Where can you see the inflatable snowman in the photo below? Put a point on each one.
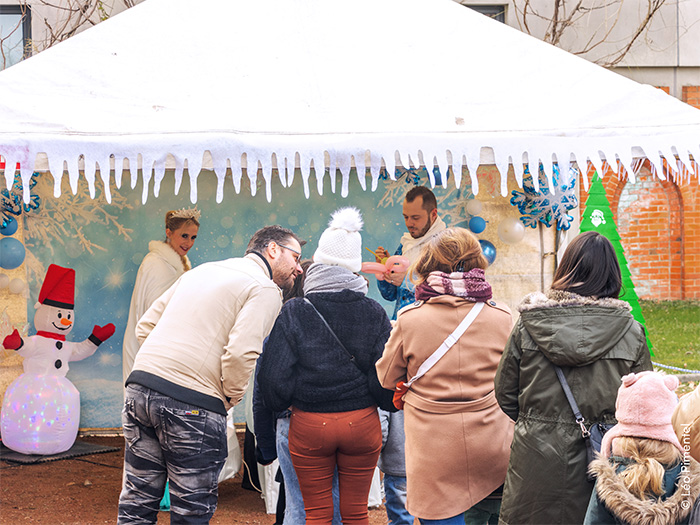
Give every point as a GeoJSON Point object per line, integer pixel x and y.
{"type": "Point", "coordinates": [41, 408]}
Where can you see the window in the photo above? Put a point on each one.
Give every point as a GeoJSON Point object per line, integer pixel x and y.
{"type": "Point", "coordinates": [15, 34]}
{"type": "Point", "coordinates": [495, 11]}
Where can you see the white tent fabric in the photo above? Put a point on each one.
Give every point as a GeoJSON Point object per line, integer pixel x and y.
{"type": "Point", "coordinates": [269, 83]}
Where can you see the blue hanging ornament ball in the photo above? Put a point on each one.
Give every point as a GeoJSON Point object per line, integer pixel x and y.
{"type": "Point", "coordinates": [12, 253]}
{"type": "Point", "coordinates": [10, 228]}
{"type": "Point", "coordinates": [489, 250]}
{"type": "Point", "coordinates": [477, 224]}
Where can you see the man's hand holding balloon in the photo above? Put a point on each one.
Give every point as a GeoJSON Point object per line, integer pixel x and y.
{"type": "Point", "coordinates": [391, 269]}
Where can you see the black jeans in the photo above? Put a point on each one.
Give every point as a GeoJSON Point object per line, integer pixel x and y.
{"type": "Point", "coordinates": [168, 439]}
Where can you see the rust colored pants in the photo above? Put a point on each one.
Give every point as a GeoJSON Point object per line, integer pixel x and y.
{"type": "Point", "coordinates": [320, 442]}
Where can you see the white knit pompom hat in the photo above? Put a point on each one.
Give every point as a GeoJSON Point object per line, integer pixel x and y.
{"type": "Point", "coordinates": [341, 243]}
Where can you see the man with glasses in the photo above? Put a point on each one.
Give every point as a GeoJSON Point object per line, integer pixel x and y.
{"type": "Point", "coordinates": [199, 344]}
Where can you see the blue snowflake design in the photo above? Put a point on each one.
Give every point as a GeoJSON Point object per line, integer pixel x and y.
{"type": "Point", "coordinates": [543, 206]}
{"type": "Point", "coordinates": [11, 201]}
{"type": "Point", "coordinates": [412, 175]}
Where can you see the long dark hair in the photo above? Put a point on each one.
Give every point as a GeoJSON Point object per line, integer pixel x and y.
{"type": "Point", "coordinates": [589, 267]}
{"type": "Point", "coordinates": [297, 289]}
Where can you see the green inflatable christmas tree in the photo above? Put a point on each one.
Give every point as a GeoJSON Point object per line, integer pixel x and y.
{"type": "Point", "coordinates": [598, 217]}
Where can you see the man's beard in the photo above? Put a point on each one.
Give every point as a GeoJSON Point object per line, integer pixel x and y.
{"type": "Point", "coordinates": [287, 285]}
{"type": "Point", "coordinates": [424, 230]}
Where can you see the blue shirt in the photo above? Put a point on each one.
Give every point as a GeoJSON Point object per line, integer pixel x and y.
{"type": "Point", "coordinates": [403, 294]}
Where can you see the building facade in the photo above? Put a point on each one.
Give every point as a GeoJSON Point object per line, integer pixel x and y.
{"type": "Point", "coordinates": [658, 220]}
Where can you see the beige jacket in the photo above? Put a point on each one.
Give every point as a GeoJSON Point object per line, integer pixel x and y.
{"type": "Point", "coordinates": [686, 423]}
{"type": "Point", "coordinates": [457, 437]}
{"type": "Point", "coordinates": [206, 331]}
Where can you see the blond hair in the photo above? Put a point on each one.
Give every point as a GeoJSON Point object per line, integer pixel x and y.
{"type": "Point", "coordinates": [645, 475]}
{"type": "Point", "coordinates": [451, 250]}
{"type": "Point", "coordinates": [175, 219]}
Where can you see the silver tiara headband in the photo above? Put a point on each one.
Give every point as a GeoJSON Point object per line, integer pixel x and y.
{"type": "Point", "coordinates": [187, 213]}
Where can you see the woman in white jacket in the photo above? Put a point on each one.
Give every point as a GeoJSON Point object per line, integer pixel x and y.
{"type": "Point", "coordinates": [165, 262]}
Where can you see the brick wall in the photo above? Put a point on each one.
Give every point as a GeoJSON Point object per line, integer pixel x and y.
{"type": "Point", "coordinates": [659, 226]}
{"type": "Point", "coordinates": [691, 95]}
{"type": "Point", "coordinates": [648, 217]}
{"type": "Point", "coordinates": [690, 195]}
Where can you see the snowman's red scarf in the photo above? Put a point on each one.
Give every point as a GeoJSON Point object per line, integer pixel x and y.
{"type": "Point", "coordinates": [51, 335]}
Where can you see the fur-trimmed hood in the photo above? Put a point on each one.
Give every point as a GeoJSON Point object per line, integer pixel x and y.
{"type": "Point", "coordinates": [630, 509]}
{"type": "Point", "coordinates": [559, 299]}
{"type": "Point", "coordinates": [572, 330]}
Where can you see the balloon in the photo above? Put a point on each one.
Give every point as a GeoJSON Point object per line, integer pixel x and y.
{"type": "Point", "coordinates": [511, 230]}
{"type": "Point", "coordinates": [489, 250]}
{"type": "Point", "coordinates": [10, 229]}
{"type": "Point", "coordinates": [474, 207]}
{"type": "Point", "coordinates": [11, 253]}
{"type": "Point", "coordinates": [395, 263]}
{"type": "Point", "coordinates": [4, 281]}
{"type": "Point", "coordinates": [477, 224]}
{"type": "Point", "coordinates": [17, 285]}
{"type": "Point", "coordinates": [376, 268]}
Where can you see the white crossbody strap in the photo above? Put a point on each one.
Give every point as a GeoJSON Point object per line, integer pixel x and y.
{"type": "Point", "coordinates": [447, 343]}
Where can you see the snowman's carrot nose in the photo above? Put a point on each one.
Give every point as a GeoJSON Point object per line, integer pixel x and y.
{"type": "Point", "coordinates": [66, 322]}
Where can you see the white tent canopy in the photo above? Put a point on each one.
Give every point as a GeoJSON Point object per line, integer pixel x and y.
{"type": "Point", "coordinates": [290, 82]}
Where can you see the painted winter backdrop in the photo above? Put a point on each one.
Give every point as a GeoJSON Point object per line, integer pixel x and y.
{"type": "Point", "coordinates": [106, 242]}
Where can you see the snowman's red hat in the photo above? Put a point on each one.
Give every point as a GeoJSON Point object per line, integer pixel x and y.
{"type": "Point", "coordinates": [59, 287]}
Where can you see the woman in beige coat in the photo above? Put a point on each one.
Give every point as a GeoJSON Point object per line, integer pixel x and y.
{"type": "Point", "coordinates": [686, 423]}
{"type": "Point", "coordinates": [457, 437]}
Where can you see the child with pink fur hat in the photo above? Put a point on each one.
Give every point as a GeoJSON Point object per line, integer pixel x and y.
{"type": "Point", "coordinates": [644, 476]}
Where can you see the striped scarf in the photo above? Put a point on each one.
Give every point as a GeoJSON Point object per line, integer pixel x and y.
{"type": "Point", "coordinates": [470, 285]}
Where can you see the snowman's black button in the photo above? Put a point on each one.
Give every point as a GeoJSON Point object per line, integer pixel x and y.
{"type": "Point", "coordinates": [58, 363]}
{"type": "Point", "coordinates": [59, 344]}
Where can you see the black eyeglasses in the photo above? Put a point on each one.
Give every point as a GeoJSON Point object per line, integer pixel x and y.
{"type": "Point", "coordinates": [297, 259]}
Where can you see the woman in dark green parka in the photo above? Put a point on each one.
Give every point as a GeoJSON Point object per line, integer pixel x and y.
{"type": "Point", "coordinates": [581, 326]}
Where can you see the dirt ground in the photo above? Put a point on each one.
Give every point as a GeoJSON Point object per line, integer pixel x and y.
{"type": "Point", "coordinates": [85, 491]}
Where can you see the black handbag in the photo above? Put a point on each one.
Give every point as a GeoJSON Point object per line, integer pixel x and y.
{"type": "Point", "coordinates": [592, 436]}
{"type": "Point", "coordinates": [597, 431]}
{"type": "Point", "coordinates": [383, 397]}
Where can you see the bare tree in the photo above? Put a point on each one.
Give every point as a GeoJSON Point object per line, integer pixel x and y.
{"type": "Point", "coordinates": [582, 26]}
{"type": "Point", "coordinates": [6, 36]}
{"type": "Point", "coordinates": [595, 23]}
{"type": "Point", "coordinates": [61, 19]}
